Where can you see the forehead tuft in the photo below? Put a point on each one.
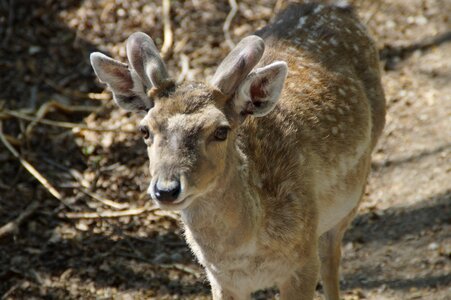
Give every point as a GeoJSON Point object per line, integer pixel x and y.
{"type": "Point", "coordinates": [188, 105]}
{"type": "Point", "coordinates": [188, 98]}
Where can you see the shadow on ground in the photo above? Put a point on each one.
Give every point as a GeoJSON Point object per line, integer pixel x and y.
{"type": "Point", "coordinates": [396, 239]}
{"type": "Point", "coordinates": [131, 263]}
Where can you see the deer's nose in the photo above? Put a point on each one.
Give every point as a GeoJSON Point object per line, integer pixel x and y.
{"type": "Point", "coordinates": [167, 191]}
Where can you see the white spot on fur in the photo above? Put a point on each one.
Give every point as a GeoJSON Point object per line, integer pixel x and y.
{"type": "Point", "coordinates": [334, 130]}
{"type": "Point", "coordinates": [342, 92]}
{"type": "Point", "coordinates": [333, 41]}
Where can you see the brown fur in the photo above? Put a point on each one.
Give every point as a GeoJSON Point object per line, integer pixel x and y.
{"type": "Point", "coordinates": [280, 186]}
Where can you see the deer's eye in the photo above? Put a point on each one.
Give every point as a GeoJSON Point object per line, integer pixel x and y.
{"type": "Point", "coordinates": [144, 131]}
{"type": "Point", "coordinates": [221, 133]}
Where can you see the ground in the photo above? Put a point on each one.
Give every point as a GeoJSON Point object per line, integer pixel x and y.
{"type": "Point", "coordinates": [398, 247]}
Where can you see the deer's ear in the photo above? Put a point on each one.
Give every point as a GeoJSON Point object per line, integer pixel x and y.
{"type": "Point", "coordinates": [259, 92]}
{"type": "Point", "coordinates": [237, 65]}
{"type": "Point", "coordinates": [146, 61]}
{"type": "Point", "coordinates": [127, 88]}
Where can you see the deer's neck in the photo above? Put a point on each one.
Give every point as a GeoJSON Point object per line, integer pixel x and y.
{"type": "Point", "coordinates": [228, 215]}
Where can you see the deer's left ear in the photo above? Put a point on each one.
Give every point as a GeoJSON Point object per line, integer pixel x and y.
{"type": "Point", "coordinates": [127, 88]}
{"type": "Point", "coordinates": [258, 94]}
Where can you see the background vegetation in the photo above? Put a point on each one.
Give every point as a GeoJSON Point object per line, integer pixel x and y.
{"type": "Point", "coordinates": [75, 221]}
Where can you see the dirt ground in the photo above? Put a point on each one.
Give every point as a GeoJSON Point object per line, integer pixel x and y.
{"type": "Point", "coordinates": [77, 247]}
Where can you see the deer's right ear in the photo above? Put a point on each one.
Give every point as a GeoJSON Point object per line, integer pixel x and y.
{"type": "Point", "coordinates": [259, 93]}
{"type": "Point", "coordinates": [127, 88]}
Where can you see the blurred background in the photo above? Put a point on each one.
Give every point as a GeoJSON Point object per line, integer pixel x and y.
{"type": "Point", "coordinates": [75, 221]}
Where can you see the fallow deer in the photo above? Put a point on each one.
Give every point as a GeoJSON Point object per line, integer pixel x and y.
{"type": "Point", "coordinates": [267, 161]}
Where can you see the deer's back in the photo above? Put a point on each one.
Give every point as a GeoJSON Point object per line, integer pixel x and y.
{"type": "Point", "coordinates": [334, 38]}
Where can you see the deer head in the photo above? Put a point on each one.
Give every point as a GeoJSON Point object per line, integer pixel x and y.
{"type": "Point", "coordinates": [190, 128]}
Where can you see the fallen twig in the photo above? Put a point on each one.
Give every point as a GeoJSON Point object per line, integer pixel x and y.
{"type": "Point", "coordinates": [42, 111]}
{"type": "Point", "coordinates": [81, 182]}
{"type": "Point", "coordinates": [103, 200]}
{"type": "Point", "coordinates": [13, 225]}
{"type": "Point", "coordinates": [11, 290]}
{"type": "Point", "coordinates": [389, 52]}
{"type": "Point", "coordinates": [68, 125]}
{"type": "Point", "coordinates": [168, 35]}
{"type": "Point", "coordinates": [31, 169]}
{"type": "Point", "coordinates": [77, 94]}
{"type": "Point", "coordinates": [228, 21]}
{"type": "Point", "coordinates": [376, 9]}
{"type": "Point", "coordinates": [177, 266]}
{"type": "Point", "coordinates": [185, 68]}
{"type": "Point", "coordinates": [107, 214]}
{"type": "Point", "coordinates": [167, 213]}
{"type": "Point", "coordinates": [70, 108]}
{"type": "Point", "coordinates": [180, 44]}
{"type": "Point", "coordinates": [84, 187]}
{"type": "Point", "coordinates": [183, 268]}
{"type": "Point", "coordinates": [13, 140]}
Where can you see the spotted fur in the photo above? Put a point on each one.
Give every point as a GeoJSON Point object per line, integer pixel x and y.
{"type": "Point", "coordinates": [270, 204]}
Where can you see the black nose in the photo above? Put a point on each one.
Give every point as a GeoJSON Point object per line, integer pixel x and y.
{"type": "Point", "coordinates": [168, 193]}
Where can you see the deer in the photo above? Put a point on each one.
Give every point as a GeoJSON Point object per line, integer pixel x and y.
{"type": "Point", "coordinates": [267, 161]}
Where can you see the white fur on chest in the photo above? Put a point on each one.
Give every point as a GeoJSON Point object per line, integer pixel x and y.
{"type": "Point", "coordinates": [245, 268]}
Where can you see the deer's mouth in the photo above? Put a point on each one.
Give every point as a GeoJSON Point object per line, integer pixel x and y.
{"type": "Point", "coordinates": [180, 204]}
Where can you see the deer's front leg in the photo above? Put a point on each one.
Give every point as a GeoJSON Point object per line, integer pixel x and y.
{"type": "Point", "coordinates": [301, 285]}
{"type": "Point", "coordinates": [220, 292]}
